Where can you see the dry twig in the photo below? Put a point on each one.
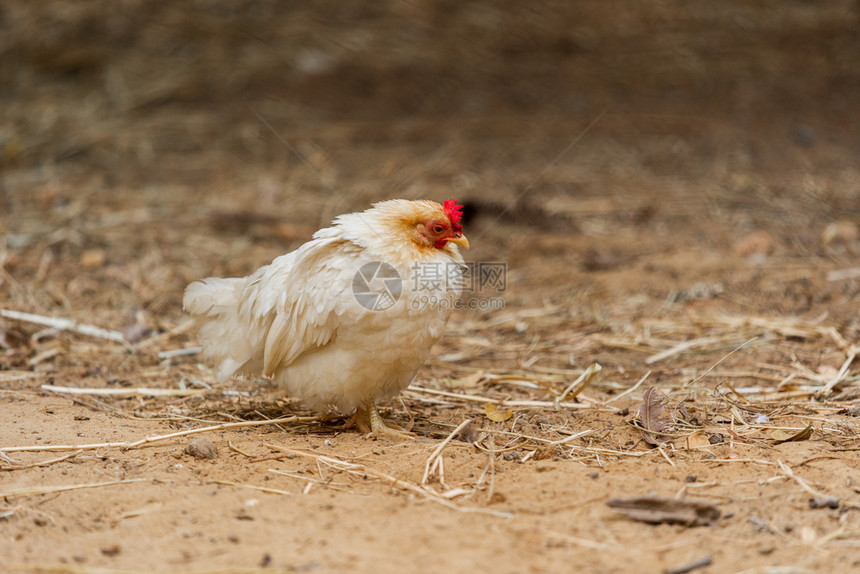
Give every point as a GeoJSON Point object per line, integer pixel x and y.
{"type": "Point", "coordinates": [42, 463]}
{"type": "Point", "coordinates": [438, 451]}
{"type": "Point", "coordinates": [33, 490]}
{"type": "Point", "coordinates": [631, 389]}
{"type": "Point", "coordinates": [396, 482]}
{"type": "Point", "coordinates": [64, 325]}
{"type": "Point", "coordinates": [579, 384]}
{"type": "Point", "coordinates": [129, 392]}
{"type": "Point", "coordinates": [150, 440]}
{"type": "Point", "coordinates": [251, 486]}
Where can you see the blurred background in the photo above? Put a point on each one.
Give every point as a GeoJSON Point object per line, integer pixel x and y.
{"type": "Point", "coordinates": [672, 184]}
{"type": "Point", "coordinates": [144, 144]}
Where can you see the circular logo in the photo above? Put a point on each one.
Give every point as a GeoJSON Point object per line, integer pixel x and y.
{"type": "Point", "coordinates": [377, 286]}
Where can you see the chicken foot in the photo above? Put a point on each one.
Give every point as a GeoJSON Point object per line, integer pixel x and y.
{"type": "Point", "coordinates": [369, 421]}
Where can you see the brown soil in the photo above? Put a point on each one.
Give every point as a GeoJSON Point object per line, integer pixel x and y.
{"type": "Point", "coordinates": [673, 187]}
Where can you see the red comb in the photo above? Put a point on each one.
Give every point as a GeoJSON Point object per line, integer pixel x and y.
{"type": "Point", "coordinates": [454, 213]}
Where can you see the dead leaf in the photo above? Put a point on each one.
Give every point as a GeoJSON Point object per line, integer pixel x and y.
{"type": "Point", "coordinates": [780, 436]}
{"type": "Point", "coordinates": [494, 414]}
{"type": "Point", "coordinates": [655, 510]}
{"type": "Point", "coordinates": [651, 416]}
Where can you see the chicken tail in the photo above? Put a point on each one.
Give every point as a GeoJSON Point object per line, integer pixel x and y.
{"type": "Point", "coordinates": [213, 297]}
{"type": "Point", "coordinates": [226, 338]}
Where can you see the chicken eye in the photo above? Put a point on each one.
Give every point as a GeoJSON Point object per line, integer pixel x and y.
{"type": "Point", "coordinates": [438, 228]}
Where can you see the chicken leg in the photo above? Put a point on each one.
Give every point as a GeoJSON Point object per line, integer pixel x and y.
{"type": "Point", "coordinates": [377, 427]}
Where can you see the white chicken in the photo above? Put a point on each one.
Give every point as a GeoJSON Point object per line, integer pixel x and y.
{"type": "Point", "coordinates": [349, 317]}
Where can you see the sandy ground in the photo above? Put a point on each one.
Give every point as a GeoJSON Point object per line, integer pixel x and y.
{"type": "Point", "coordinates": [673, 200]}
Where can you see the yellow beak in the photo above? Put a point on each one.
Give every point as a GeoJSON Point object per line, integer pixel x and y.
{"type": "Point", "coordinates": [461, 241]}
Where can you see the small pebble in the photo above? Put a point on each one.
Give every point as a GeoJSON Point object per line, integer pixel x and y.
{"type": "Point", "coordinates": [202, 448]}
{"type": "Point", "coordinates": [823, 503]}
